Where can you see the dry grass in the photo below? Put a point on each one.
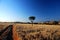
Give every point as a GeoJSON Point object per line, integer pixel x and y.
{"type": "Point", "coordinates": [37, 32]}
{"type": "Point", "coordinates": [2, 27]}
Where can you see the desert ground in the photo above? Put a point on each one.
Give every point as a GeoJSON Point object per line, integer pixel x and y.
{"type": "Point", "coordinates": [35, 32]}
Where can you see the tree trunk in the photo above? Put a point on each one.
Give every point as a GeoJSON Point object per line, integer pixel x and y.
{"type": "Point", "coordinates": [32, 23]}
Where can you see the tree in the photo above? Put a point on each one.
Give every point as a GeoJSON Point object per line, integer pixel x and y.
{"type": "Point", "coordinates": [32, 18]}
{"type": "Point", "coordinates": [55, 22]}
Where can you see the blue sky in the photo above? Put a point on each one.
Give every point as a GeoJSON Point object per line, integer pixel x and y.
{"type": "Point", "coordinates": [20, 10]}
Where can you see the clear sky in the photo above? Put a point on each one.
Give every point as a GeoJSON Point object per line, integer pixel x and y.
{"type": "Point", "coordinates": [20, 10]}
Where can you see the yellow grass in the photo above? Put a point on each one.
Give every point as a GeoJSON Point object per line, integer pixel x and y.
{"type": "Point", "coordinates": [36, 29]}
{"type": "Point", "coordinates": [27, 30]}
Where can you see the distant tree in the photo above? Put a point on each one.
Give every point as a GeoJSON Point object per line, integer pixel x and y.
{"type": "Point", "coordinates": [32, 18]}
{"type": "Point", "coordinates": [55, 22]}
